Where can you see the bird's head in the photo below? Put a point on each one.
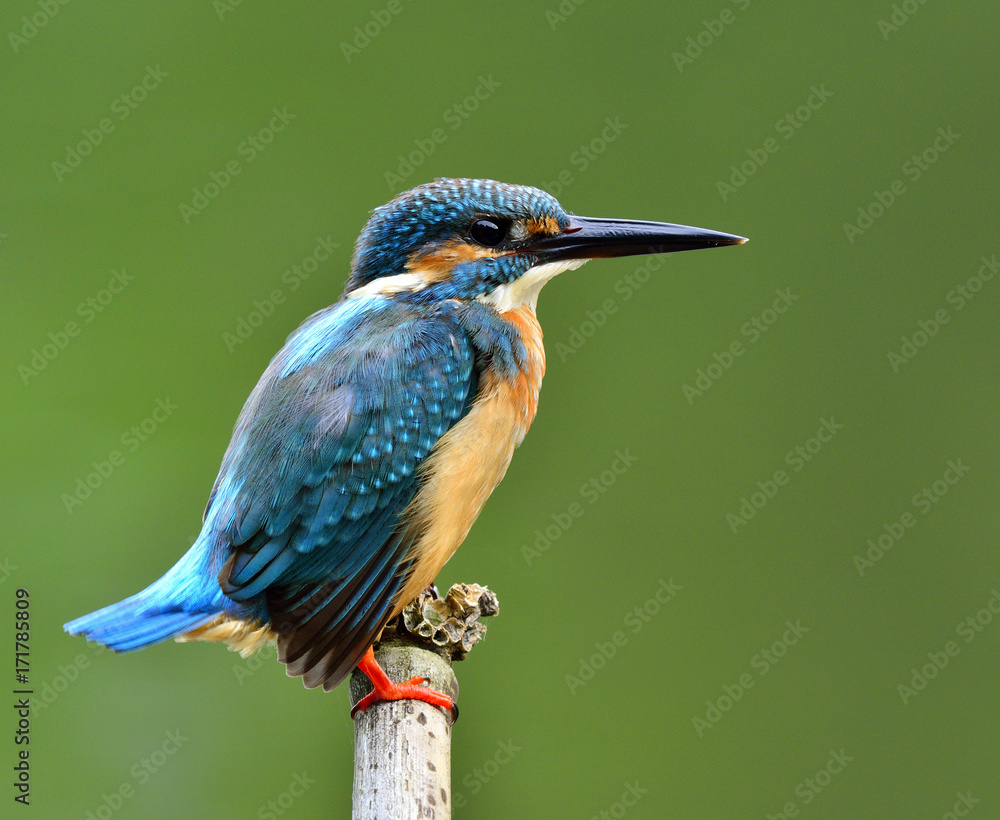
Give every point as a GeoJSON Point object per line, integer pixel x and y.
{"type": "Point", "coordinates": [479, 239]}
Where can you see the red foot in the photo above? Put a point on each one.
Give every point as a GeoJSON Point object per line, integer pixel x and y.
{"type": "Point", "coordinates": [385, 689]}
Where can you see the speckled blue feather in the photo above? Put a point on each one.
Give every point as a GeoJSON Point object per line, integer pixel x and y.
{"type": "Point", "coordinates": [304, 529]}
{"type": "Point", "coordinates": [435, 212]}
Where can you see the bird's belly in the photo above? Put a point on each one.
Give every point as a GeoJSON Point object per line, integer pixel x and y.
{"type": "Point", "coordinates": [469, 461]}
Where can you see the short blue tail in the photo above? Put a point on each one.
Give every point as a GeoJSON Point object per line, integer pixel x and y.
{"type": "Point", "coordinates": [126, 625]}
{"type": "Point", "coordinates": [184, 599]}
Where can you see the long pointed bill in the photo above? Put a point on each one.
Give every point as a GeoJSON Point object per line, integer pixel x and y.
{"type": "Point", "coordinates": [588, 238]}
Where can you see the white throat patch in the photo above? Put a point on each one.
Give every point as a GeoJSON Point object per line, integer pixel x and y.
{"type": "Point", "coordinates": [390, 285]}
{"type": "Point", "coordinates": [525, 289]}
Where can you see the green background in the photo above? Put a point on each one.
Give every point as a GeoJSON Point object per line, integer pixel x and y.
{"type": "Point", "coordinates": [553, 82]}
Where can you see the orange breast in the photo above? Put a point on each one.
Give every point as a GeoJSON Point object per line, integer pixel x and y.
{"type": "Point", "coordinates": [529, 381]}
{"type": "Point", "coordinates": [471, 459]}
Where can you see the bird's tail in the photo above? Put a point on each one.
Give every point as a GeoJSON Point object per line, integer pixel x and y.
{"type": "Point", "coordinates": [131, 624]}
{"type": "Point", "coordinates": [180, 601]}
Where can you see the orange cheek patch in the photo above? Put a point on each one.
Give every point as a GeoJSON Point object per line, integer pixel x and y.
{"type": "Point", "coordinates": [544, 226]}
{"type": "Point", "coordinates": [436, 265]}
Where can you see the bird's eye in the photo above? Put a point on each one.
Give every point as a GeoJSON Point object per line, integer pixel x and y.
{"type": "Point", "coordinates": [488, 232]}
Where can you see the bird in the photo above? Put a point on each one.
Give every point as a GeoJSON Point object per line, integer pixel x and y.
{"type": "Point", "coordinates": [371, 442]}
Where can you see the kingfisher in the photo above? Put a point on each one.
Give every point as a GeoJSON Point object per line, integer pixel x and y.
{"type": "Point", "coordinates": [374, 437]}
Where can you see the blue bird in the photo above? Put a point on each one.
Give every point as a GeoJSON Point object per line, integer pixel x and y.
{"type": "Point", "coordinates": [369, 446]}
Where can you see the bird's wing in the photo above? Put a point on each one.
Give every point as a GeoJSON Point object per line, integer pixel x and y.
{"type": "Point", "coordinates": [324, 460]}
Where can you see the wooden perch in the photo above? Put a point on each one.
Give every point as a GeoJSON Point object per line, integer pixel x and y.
{"type": "Point", "coordinates": [402, 748]}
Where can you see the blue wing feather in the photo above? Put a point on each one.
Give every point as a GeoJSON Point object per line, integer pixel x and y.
{"type": "Point", "coordinates": [327, 452]}
{"type": "Point", "coordinates": [304, 527]}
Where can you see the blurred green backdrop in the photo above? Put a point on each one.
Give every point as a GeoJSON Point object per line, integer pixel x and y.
{"type": "Point", "coordinates": [169, 171]}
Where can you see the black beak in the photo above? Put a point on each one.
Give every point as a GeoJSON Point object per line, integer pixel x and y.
{"type": "Point", "coordinates": [587, 238]}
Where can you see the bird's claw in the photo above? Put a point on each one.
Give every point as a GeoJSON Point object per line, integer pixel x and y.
{"type": "Point", "coordinates": [415, 688]}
